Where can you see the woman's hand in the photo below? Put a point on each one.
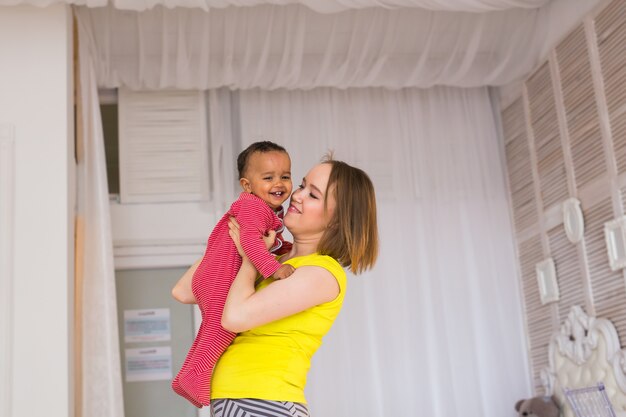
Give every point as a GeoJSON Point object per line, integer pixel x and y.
{"type": "Point", "coordinates": [235, 233]}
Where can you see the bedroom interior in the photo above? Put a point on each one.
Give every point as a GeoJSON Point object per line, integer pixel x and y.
{"type": "Point", "coordinates": [494, 131]}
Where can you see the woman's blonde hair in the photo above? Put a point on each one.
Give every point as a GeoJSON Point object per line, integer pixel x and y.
{"type": "Point", "coordinates": [352, 234]}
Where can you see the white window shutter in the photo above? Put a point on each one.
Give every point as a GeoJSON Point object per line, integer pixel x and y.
{"type": "Point", "coordinates": [545, 129]}
{"type": "Point", "coordinates": [163, 146]}
{"type": "Point", "coordinates": [610, 27]}
{"type": "Point", "coordinates": [581, 113]}
{"type": "Point", "coordinates": [519, 166]}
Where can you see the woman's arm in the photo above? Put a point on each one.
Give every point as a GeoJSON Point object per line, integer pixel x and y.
{"type": "Point", "coordinates": [246, 308]}
{"type": "Point", "coordinates": [182, 290]}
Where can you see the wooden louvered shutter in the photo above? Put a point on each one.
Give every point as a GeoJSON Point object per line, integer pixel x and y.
{"type": "Point", "coordinates": [163, 146]}
{"type": "Point", "coordinates": [569, 277]}
{"type": "Point", "coordinates": [538, 316]}
{"type": "Point", "coordinates": [519, 166]}
{"type": "Point", "coordinates": [607, 286]}
{"type": "Point", "coordinates": [581, 111]}
{"type": "Point", "coordinates": [610, 28]}
{"type": "Point", "coordinates": [544, 124]}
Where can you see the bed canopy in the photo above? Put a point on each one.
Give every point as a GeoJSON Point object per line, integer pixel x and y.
{"type": "Point", "coordinates": [303, 44]}
{"type": "Point", "coordinates": [321, 6]}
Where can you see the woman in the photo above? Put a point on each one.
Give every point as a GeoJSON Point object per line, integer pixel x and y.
{"type": "Point", "coordinates": [332, 217]}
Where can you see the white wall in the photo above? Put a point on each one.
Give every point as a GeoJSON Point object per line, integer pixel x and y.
{"type": "Point", "coordinates": [35, 99]}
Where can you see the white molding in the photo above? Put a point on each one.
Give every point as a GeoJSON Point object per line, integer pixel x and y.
{"type": "Point", "coordinates": [615, 238]}
{"type": "Point", "coordinates": [7, 195]}
{"type": "Point", "coordinates": [559, 107]}
{"type": "Point", "coordinates": [553, 216]}
{"type": "Point", "coordinates": [573, 220]}
{"type": "Point", "coordinates": [546, 280]}
{"type": "Point", "coordinates": [542, 219]}
{"type": "Point", "coordinates": [530, 135]}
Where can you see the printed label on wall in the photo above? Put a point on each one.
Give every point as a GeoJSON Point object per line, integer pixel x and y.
{"type": "Point", "coordinates": [149, 364]}
{"type": "Point", "coordinates": [150, 325]}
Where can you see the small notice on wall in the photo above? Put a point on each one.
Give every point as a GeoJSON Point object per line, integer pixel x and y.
{"type": "Point", "coordinates": [149, 364]}
{"type": "Point", "coordinates": [150, 325]}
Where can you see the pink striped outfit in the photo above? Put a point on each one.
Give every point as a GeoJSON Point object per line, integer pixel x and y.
{"type": "Point", "coordinates": [211, 282]}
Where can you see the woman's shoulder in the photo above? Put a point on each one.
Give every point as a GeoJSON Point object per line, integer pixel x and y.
{"type": "Point", "coordinates": [319, 260]}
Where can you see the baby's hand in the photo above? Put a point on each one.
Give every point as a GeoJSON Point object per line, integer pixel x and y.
{"type": "Point", "coordinates": [284, 271]}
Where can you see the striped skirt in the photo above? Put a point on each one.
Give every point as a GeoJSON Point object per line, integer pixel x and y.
{"type": "Point", "coordinates": [257, 408]}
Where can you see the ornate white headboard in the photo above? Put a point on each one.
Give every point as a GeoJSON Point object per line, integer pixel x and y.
{"type": "Point", "coordinates": [582, 353]}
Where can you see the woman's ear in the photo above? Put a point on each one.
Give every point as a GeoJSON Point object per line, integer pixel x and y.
{"type": "Point", "coordinates": [245, 185]}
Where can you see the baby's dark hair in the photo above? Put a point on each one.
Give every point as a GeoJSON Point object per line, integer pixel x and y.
{"type": "Point", "coordinates": [262, 146]}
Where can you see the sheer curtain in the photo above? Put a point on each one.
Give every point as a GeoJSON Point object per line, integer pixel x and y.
{"type": "Point", "coordinates": [293, 47]}
{"type": "Point", "coordinates": [436, 328]}
{"type": "Point", "coordinates": [322, 6]}
{"type": "Point", "coordinates": [100, 389]}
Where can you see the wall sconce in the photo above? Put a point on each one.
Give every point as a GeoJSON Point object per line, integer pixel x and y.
{"type": "Point", "coordinates": [546, 279]}
{"type": "Point", "coordinates": [615, 236]}
{"type": "Point", "coordinates": [573, 220]}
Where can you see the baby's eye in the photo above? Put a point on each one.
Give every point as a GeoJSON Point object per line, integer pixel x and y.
{"type": "Point", "coordinates": [312, 196]}
{"type": "Point", "coordinates": [286, 177]}
{"type": "Point", "coordinates": [267, 178]}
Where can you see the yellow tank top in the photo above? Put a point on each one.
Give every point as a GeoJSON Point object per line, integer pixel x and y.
{"type": "Point", "coordinates": [271, 362]}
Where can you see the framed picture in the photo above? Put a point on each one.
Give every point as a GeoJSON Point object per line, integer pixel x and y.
{"type": "Point", "coordinates": [615, 236]}
{"type": "Point", "coordinates": [546, 279]}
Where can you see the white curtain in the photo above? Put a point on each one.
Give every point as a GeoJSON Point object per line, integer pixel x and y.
{"type": "Point", "coordinates": [101, 390]}
{"type": "Point", "coordinates": [224, 144]}
{"type": "Point", "coordinates": [436, 328]}
{"type": "Point", "coordinates": [293, 47]}
{"type": "Point", "coordinates": [321, 6]}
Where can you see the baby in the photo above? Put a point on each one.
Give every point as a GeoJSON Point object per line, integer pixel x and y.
{"type": "Point", "coordinates": [265, 177]}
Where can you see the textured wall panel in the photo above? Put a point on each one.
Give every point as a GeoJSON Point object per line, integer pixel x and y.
{"type": "Point", "coordinates": [581, 111]}
{"type": "Point", "coordinates": [519, 168]}
{"type": "Point", "coordinates": [610, 27]}
{"type": "Point", "coordinates": [538, 316]}
{"type": "Point", "coordinates": [545, 127]}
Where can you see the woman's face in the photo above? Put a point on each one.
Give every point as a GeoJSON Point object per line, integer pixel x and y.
{"type": "Point", "coordinates": [305, 215]}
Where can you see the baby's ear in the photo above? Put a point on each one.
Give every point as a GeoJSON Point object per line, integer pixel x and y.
{"type": "Point", "coordinates": [245, 185]}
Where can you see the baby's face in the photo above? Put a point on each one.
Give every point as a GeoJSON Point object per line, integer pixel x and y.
{"type": "Point", "coordinates": [268, 176]}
